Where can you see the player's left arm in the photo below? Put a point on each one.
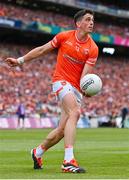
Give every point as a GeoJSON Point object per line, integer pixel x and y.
{"type": "Point", "coordinates": [91, 61]}
{"type": "Point", "coordinates": [87, 70]}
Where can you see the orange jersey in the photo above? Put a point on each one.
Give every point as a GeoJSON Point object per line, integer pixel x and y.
{"type": "Point", "coordinates": [72, 56]}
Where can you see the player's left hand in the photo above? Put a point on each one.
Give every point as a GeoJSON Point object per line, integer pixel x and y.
{"type": "Point", "coordinates": [84, 94]}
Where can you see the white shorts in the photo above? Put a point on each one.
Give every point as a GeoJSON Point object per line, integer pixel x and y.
{"type": "Point", "coordinates": [61, 88]}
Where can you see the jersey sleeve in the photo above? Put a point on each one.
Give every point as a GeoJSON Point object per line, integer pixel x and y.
{"type": "Point", "coordinates": [93, 55]}
{"type": "Point", "coordinates": [58, 39]}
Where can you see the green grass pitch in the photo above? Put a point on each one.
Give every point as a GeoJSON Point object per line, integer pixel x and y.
{"type": "Point", "coordinates": [104, 152]}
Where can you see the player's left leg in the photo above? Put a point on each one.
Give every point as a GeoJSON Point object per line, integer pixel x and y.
{"type": "Point", "coordinates": [72, 107]}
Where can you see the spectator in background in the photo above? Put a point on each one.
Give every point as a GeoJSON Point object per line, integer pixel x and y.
{"type": "Point", "coordinates": [21, 115]}
{"type": "Point", "coordinates": [124, 113]}
{"type": "Point", "coordinates": [39, 111]}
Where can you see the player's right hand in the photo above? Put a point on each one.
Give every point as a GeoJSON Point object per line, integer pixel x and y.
{"type": "Point", "coordinates": [12, 62]}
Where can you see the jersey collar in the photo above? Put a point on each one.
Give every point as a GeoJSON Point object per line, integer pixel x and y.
{"type": "Point", "coordinates": [81, 42]}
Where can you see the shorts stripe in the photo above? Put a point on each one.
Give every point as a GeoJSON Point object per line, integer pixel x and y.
{"type": "Point", "coordinates": [57, 92]}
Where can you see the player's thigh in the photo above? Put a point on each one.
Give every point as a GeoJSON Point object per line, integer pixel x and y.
{"type": "Point", "coordinates": [70, 104]}
{"type": "Point", "coordinates": [69, 97]}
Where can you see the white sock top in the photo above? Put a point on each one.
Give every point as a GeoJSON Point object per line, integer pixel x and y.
{"type": "Point", "coordinates": [69, 154]}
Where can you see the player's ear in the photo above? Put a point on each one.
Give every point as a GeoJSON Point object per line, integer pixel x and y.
{"type": "Point", "coordinates": [78, 24]}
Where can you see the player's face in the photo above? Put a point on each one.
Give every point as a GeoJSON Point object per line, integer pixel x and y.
{"type": "Point", "coordinates": [86, 23]}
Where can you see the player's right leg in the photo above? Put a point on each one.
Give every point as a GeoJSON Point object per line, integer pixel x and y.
{"type": "Point", "coordinates": [57, 134]}
{"type": "Point", "coordinates": [37, 160]}
{"type": "Point", "coordinates": [53, 138]}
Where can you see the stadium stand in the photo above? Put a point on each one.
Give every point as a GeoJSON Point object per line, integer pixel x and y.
{"type": "Point", "coordinates": [34, 82]}
{"type": "Point", "coordinates": [112, 4]}
{"type": "Point", "coordinates": [52, 18]}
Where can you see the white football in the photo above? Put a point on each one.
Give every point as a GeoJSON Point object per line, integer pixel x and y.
{"type": "Point", "coordinates": [91, 84]}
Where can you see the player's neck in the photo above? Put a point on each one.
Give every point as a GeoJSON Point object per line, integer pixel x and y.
{"type": "Point", "coordinates": [81, 36]}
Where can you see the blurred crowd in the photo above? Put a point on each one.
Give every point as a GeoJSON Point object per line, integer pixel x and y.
{"type": "Point", "coordinates": [47, 17]}
{"type": "Point", "coordinates": [33, 85]}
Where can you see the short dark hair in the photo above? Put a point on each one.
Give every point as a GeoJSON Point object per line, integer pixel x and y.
{"type": "Point", "coordinates": [81, 13]}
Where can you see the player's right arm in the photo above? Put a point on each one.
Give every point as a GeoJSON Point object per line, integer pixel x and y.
{"type": "Point", "coordinates": [33, 54]}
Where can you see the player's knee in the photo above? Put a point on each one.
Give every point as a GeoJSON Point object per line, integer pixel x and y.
{"type": "Point", "coordinates": [75, 113]}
